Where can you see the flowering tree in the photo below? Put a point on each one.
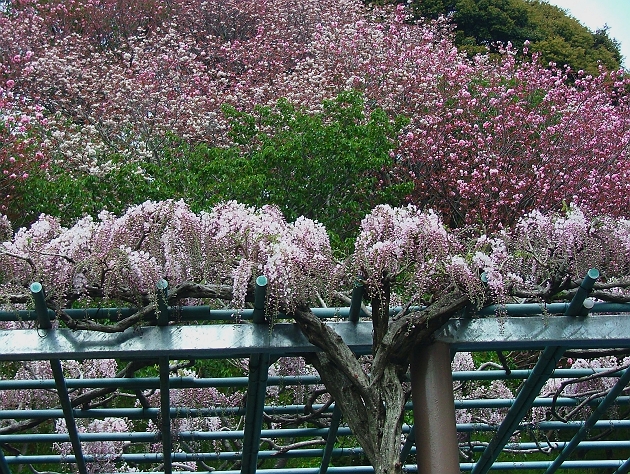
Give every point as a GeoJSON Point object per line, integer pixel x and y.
{"type": "Point", "coordinates": [22, 143]}
{"type": "Point", "coordinates": [521, 138]}
{"type": "Point", "coordinates": [401, 254]}
{"type": "Point", "coordinates": [116, 96]}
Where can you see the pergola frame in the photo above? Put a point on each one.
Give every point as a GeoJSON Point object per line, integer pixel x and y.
{"type": "Point", "coordinates": [553, 329]}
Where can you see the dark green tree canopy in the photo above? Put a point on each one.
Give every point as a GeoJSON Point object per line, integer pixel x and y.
{"type": "Point", "coordinates": [558, 37]}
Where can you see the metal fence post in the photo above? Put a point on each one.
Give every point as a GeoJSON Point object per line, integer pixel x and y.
{"type": "Point", "coordinates": [437, 451]}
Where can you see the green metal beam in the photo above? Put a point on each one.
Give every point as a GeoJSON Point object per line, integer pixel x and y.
{"type": "Point", "coordinates": [4, 467]}
{"type": "Point", "coordinates": [535, 332]}
{"type": "Point", "coordinates": [624, 468]}
{"type": "Point", "coordinates": [206, 313]}
{"type": "Point", "coordinates": [41, 310]}
{"type": "Point", "coordinates": [260, 294]}
{"type": "Point", "coordinates": [165, 415]}
{"type": "Point", "coordinates": [408, 446]}
{"type": "Point", "coordinates": [162, 303]}
{"type": "Point", "coordinates": [154, 382]}
{"type": "Point", "coordinates": [576, 306]}
{"type": "Point", "coordinates": [66, 405]}
{"type": "Point", "coordinates": [286, 339]}
{"type": "Point", "coordinates": [293, 454]}
{"type": "Point", "coordinates": [330, 439]}
{"type": "Point", "coordinates": [356, 301]}
{"type": "Point", "coordinates": [185, 412]}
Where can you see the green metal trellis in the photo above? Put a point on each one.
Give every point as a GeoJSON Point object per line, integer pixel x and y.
{"type": "Point", "coordinates": [552, 329]}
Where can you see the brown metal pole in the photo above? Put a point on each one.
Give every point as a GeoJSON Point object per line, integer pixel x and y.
{"type": "Point", "coordinates": [434, 410]}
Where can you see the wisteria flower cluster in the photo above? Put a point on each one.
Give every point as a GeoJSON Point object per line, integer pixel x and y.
{"type": "Point", "coordinates": [409, 247]}
{"type": "Point", "coordinates": [125, 257]}
{"type": "Point", "coordinates": [603, 373]}
{"type": "Point", "coordinates": [546, 253]}
{"type": "Point", "coordinates": [105, 453]}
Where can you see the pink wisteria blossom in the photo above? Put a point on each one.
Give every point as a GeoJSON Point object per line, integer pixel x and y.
{"type": "Point", "coordinates": [233, 244]}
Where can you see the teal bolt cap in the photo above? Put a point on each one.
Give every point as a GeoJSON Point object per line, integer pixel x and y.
{"type": "Point", "coordinates": [593, 273]}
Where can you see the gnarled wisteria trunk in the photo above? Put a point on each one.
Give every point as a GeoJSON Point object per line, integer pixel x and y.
{"type": "Point", "coordinates": [372, 397]}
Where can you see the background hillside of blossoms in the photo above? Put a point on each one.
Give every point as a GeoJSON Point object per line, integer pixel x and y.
{"type": "Point", "coordinates": [105, 104]}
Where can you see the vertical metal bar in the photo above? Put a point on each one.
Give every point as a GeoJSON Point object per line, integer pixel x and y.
{"type": "Point", "coordinates": [523, 402]}
{"type": "Point", "coordinates": [256, 388]}
{"type": "Point", "coordinates": [4, 467]}
{"type": "Point", "coordinates": [41, 310]}
{"type": "Point", "coordinates": [434, 410]}
{"type": "Point", "coordinates": [165, 415]}
{"type": "Point", "coordinates": [409, 442]}
{"type": "Point", "coordinates": [330, 440]}
{"type": "Point", "coordinates": [260, 294]}
{"type": "Point", "coordinates": [66, 405]}
{"type": "Point", "coordinates": [254, 405]}
{"type": "Point", "coordinates": [590, 422]}
{"type": "Point", "coordinates": [162, 303]}
{"type": "Point", "coordinates": [355, 302]}
{"type": "Point", "coordinates": [576, 306]}
{"type": "Point", "coordinates": [43, 319]}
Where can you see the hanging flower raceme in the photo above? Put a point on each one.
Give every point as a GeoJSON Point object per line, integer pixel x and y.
{"type": "Point", "coordinates": [414, 249]}
{"type": "Point", "coordinates": [126, 256]}
{"type": "Point", "coordinates": [242, 243]}
{"type": "Point", "coordinates": [546, 253]}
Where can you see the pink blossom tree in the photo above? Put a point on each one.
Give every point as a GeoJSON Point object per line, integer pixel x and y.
{"type": "Point", "coordinates": [22, 143]}
{"type": "Point", "coordinates": [113, 87]}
